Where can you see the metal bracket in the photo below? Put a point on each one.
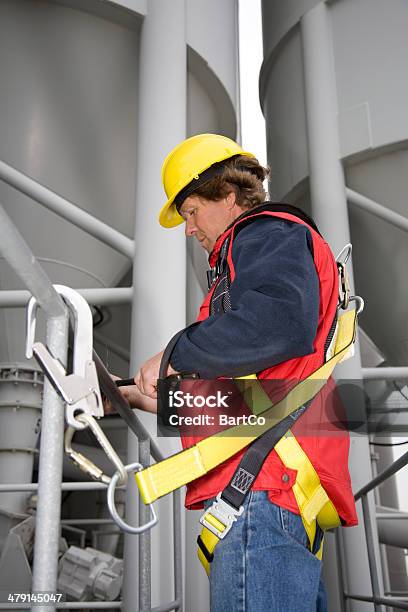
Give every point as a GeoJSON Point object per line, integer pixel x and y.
{"type": "Point", "coordinates": [80, 390]}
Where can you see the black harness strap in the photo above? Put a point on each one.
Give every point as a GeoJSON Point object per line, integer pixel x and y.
{"type": "Point", "coordinates": [252, 461]}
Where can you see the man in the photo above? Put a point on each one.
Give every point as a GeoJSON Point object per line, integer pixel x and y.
{"type": "Point", "coordinates": [271, 310]}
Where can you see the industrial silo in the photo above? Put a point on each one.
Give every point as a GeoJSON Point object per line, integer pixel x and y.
{"type": "Point", "coordinates": [333, 96]}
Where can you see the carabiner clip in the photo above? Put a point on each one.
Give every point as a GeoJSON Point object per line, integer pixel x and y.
{"type": "Point", "coordinates": [359, 301]}
{"type": "Point", "coordinates": [112, 508]}
{"type": "Point", "coordinates": [344, 288]}
{"type": "Point", "coordinates": [345, 254]}
{"type": "Point", "coordinates": [85, 464]}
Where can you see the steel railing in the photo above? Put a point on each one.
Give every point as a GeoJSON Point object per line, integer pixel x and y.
{"type": "Point", "coordinates": [378, 598]}
{"type": "Point", "coordinates": [176, 604]}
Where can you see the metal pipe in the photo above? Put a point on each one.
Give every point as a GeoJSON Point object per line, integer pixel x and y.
{"type": "Point", "coordinates": [101, 297]}
{"type": "Point", "coordinates": [379, 210]}
{"type": "Point", "coordinates": [144, 539]}
{"type": "Point", "coordinates": [47, 529]}
{"type": "Point", "coordinates": [375, 457]}
{"type": "Point", "coordinates": [342, 578]}
{"type": "Point", "coordinates": [177, 548]}
{"type": "Point", "coordinates": [385, 373]}
{"type": "Point", "coordinates": [174, 605]}
{"type": "Point", "coordinates": [326, 174]}
{"type": "Point", "coordinates": [375, 584]}
{"type": "Point", "coordinates": [20, 257]}
{"type": "Point", "coordinates": [394, 467]}
{"type": "Point", "coordinates": [162, 67]}
{"type": "Point", "coordinates": [396, 603]}
{"type": "Point", "coordinates": [67, 210]}
{"type": "Point", "coordinates": [88, 521]}
{"type": "Point", "coordinates": [389, 515]}
{"type": "Point", "coordinates": [65, 486]}
{"type": "Point", "coordinates": [393, 533]}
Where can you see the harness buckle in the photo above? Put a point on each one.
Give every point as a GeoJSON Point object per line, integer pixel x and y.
{"type": "Point", "coordinates": [222, 513]}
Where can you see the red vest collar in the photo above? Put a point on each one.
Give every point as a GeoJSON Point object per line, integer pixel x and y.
{"type": "Point", "coordinates": [264, 209]}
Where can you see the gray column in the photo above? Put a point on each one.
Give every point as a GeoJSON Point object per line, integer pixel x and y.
{"type": "Point", "coordinates": [159, 264]}
{"type": "Point", "coordinates": [329, 208]}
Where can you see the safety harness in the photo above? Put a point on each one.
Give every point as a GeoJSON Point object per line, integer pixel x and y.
{"type": "Point", "coordinates": [80, 390]}
{"type": "Point", "coordinates": [315, 507]}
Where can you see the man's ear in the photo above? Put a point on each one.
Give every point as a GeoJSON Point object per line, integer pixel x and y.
{"type": "Point", "coordinates": [231, 200]}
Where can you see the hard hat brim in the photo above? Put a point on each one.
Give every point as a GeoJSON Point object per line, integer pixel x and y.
{"type": "Point", "coordinates": [168, 215]}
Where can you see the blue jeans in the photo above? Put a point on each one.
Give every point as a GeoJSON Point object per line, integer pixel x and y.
{"type": "Point", "coordinates": [264, 565]}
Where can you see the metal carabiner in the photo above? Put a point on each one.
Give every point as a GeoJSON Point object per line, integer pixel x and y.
{"type": "Point", "coordinates": [86, 465]}
{"type": "Point", "coordinates": [359, 300]}
{"type": "Point", "coordinates": [346, 252]}
{"type": "Point", "coordinates": [112, 508]}
{"type": "Point", "coordinates": [80, 390]}
{"type": "Point", "coordinates": [344, 288]}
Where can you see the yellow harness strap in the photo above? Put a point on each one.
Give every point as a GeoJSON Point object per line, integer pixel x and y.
{"type": "Point", "coordinates": [313, 502]}
{"type": "Point", "coordinates": [175, 471]}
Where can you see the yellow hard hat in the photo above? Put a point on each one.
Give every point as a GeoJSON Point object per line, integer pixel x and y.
{"type": "Point", "coordinates": [186, 162]}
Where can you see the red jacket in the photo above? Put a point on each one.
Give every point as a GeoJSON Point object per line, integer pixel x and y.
{"type": "Point", "coordinates": [328, 451]}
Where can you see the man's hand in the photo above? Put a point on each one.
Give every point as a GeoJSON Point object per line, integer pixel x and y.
{"type": "Point", "coordinates": [146, 378]}
{"type": "Point", "coordinates": [135, 398]}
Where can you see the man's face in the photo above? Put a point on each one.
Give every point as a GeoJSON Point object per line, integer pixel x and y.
{"type": "Point", "coordinates": [207, 219]}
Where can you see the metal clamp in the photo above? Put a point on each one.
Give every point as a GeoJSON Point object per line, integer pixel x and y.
{"type": "Point", "coordinates": [86, 465]}
{"type": "Point", "coordinates": [223, 513]}
{"type": "Point", "coordinates": [80, 390]}
{"type": "Point", "coordinates": [112, 508]}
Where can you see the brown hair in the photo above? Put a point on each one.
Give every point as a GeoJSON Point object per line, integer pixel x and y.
{"type": "Point", "coordinates": [242, 175]}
